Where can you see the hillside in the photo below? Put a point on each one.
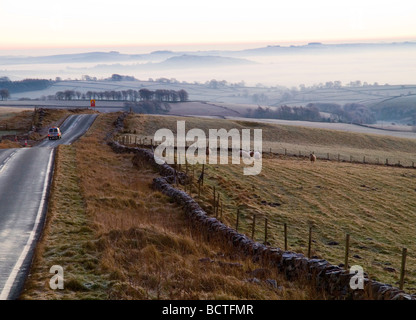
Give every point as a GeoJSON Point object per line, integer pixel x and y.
{"type": "Point", "coordinates": [297, 139]}
{"type": "Point", "coordinates": [118, 238]}
{"type": "Point", "coordinates": [374, 204]}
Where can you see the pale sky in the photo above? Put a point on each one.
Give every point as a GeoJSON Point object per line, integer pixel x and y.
{"type": "Point", "coordinates": [27, 24]}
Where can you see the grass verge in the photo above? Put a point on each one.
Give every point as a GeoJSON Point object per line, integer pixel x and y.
{"type": "Point", "coordinates": [117, 238]}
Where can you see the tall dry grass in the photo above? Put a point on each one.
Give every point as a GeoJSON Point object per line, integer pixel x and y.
{"type": "Point", "coordinates": [140, 241]}
{"type": "Point", "coordinates": [375, 204]}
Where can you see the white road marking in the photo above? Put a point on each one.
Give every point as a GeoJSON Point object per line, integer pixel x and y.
{"type": "Point", "coordinates": [12, 277]}
{"type": "Point", "coordinates": [3, 165]}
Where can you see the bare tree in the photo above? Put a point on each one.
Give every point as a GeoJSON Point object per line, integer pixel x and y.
{"type": "Point", "coordinates": [183, 95]}
{"type": "Point", "coordinates": [4, 93]}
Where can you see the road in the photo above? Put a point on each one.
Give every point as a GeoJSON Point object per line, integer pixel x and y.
{"type": "Point", "coordinates": [25, 177]}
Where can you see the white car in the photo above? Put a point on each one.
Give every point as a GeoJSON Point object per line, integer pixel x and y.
{"type": "Point", "coordinates": [54, 133]}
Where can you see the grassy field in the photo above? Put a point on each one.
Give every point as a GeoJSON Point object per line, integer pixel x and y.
{"type": "Point", "coordinates": [374, 204]}
{"type": "Point", "coordinates": [295, 140]}
{"type": "Point", "coordinates": [117, 238]}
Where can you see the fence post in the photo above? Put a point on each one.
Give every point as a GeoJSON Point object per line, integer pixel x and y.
{"type": "Point", "coordinates": [387, 161]}
{"type": "Point", "coordinates": [364, 159]}
{"type": "Point", "coordinates": [238, 219]}
{"type": "Point", "coordinates": [221, 211]}
{"type": "Point", "coordinates": [402, 272]}
{"type": "Point", "coordinates": [214, 202]}
{"type": "Point", "coordinates": [347, 250]}
{"type": "Point", "coordinates": [285, 234]}
{"type": "Point", "coordinates": [199, 188]}
{"type": "Point", "coordinates": [218, 205]}
{"type": "Point", "coordinates": [350, 158]}
{"type": "Point", "coordinates": [327, 156]}
{"type": "Point", "coordinates": [285, 151]}
{"type": "Point", "coordinates": [265, 231]}
{"type": "Point", "coordinates": [413, 164]}
{"type": "Point", "coordinates": [310, 242]}
{"type": "Point", "coordinates": [253, 226]}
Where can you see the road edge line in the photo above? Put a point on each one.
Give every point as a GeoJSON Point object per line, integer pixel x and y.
{"type": "Point", "coordinates": [5, 293]}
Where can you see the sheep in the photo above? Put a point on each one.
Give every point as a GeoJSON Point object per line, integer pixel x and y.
{"type": "Point", "coordinates": [312, 157]}
{"type": "Point", "coordinates": [244, 154]}
{"type": "Point", "coordinates": [250, 154]}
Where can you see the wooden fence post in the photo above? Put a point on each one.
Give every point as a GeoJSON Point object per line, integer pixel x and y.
{"type": "Point", "coordinates": [218, 205]}
{"type": "Point", "coordinates": [265, 231]}
{"type": "Point", "coordinates": [285, 151]}
{"type": "Point", "coordinates": [238, 220]}
{"type": "Point", "coordinates": [387, 161]}
{"type": "Point", "coordinates": [350, 158]}
{"type": "Point", "coordinates": [253, 226]}
{"type": "Point", "coordinates": [347, 250]}
{"type": "Point", "coordinates": [214, 202]}
{"type": "Point", "coordinates": [327, 156]}
{"type": "Point", "coordinates": [199, 188]}
{"type": "Point", "coordinates": [403, 269]}
{"type": "Point", "coordinates": [310, 242]}
{"type": "Point", "coordinates": [285, 235]}
{"type": "Point", "coordinates": [221, 211]}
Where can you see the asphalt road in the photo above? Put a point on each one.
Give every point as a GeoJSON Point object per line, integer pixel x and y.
{"type": "Point", "coordinates": [25, 177]}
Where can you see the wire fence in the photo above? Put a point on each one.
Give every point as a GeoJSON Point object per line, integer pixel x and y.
{"type": "Point", "coordinates": [258, 225]}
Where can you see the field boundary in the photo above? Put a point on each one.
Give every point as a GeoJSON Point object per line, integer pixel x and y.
{"type": "Point", "coordinates": [128, 139]}
{"type": "Point", "coordinates": [333, 280]}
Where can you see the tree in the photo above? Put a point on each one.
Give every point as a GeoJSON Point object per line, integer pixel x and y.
{"type": "Point", "coordinates": [69, 94]}
{"type": "Point", "coordinates": [146, 94]}
{"type": "Point", "coordinates": [183, 95]}
{"type": "Point", "coordinates": [4, 93]}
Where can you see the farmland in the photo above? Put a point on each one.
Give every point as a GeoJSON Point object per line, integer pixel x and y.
{"type": "Point", "coordinates": [117, 238]}
{"type": "Point", "coordinates": [374, 204]}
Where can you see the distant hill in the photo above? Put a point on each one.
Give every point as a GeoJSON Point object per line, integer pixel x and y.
{"type": "Point", "coordinates": [397, 108]}
{"type": "Point", "coordinates": [185, 60]}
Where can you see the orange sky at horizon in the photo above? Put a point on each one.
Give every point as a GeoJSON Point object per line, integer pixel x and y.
{"type": "Point", "coordinates": [44, 25]}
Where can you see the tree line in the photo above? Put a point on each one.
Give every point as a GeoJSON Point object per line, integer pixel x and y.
{"type": "Point", "coordinates": [23, 85]}
{"type": "Point", "coordinates": [348, 113]}
{"type": "Point", "coordinates": [286, 113]}
{"type": "Point", "coordinates": [162, 95]}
